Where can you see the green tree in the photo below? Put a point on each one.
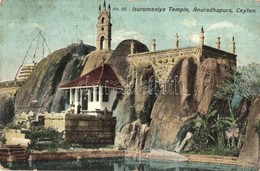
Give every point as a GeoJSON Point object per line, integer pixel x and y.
{"type": "Point", "coordinates": [244, 82]}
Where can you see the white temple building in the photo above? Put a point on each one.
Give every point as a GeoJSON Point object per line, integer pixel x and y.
{"type": "Point", "coordinates": [93, 92]}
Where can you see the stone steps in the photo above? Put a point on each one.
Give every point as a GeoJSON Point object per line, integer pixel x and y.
{"type": "Point", "coordinates": [212, 159]}
{"type": "Point", "coordinates": [13, 153]}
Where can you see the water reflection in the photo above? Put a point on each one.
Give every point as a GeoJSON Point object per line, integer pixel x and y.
{"type": "Point", "coordinates": [122, 165]}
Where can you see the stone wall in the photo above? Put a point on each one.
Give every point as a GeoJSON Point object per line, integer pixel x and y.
{"type": "Point", "coordinates": [85, 129]}
{"type": "Point", "coordinates": [55, 120]}
{"type": "Point", "coordinates": [15, 136]}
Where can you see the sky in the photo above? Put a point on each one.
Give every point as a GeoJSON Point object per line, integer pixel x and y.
{"type": "Point", "coordinates": [62, 22]}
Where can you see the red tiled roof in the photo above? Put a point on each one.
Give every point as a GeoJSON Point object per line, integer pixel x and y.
{"type": "Point", "coordinates": [104, 75]}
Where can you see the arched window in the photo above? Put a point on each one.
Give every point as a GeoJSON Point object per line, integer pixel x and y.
{"type": "Point", "coordinates": [102, 42]}
{"type": "Point", "coordinates": [103, 20]}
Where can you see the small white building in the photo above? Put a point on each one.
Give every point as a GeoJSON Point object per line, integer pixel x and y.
{"type": "Point", "coordinates": [93, 92]}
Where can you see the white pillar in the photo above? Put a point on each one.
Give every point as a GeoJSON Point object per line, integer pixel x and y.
{"type": "Point", "coordinates": [94, 94]}
{"type": "Point", "coordinates": [80, 97]}
{"type": "Point", "coordinates": [71, 96]}
{"type": "Point", "coordinates": [89, 95]}
{"type": "Point", "coordinates": [76, 100]}
{"type": "Point", "coordinates": [100, 91]}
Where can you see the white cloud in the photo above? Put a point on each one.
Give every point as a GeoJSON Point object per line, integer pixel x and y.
{"type": "Point", "coordinates": [12, 25]}
{"type": "Point", "coordinates": [189, 22]}
{"type": "Point", "coordinates": [222, 25]}
{"type": "Point", "coordinates": [37, 26]}
{"type": "Point", "coordinates": [122, 34]}
{"type": "Point", "coordinates": [195, 38]}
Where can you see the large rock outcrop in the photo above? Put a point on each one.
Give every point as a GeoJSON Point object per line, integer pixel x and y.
{"type": "Point", "coordinates": [94, 59]}
{"type": "Point", "coordinates": [119, 56]}
{"type": "Point", "coordinates": [249, 153]}
{"type": "Point", "coordinates": [149, 115]}
{"type": "Point", "coordinates": [193, 93]}
{"type": "Point", "coordinates": [40, 92]}
{"type": "Point", "coordinates": [134, 108]}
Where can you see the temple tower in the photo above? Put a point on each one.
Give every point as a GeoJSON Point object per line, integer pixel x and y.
{"type": "Point", "coordinates": [104, 27]}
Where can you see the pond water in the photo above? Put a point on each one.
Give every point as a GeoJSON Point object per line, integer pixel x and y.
{"type": "Point", "coordinates": [122, 165]}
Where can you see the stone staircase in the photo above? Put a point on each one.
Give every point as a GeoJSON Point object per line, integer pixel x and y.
{"type": "Point", "coordinates": [13, 153]}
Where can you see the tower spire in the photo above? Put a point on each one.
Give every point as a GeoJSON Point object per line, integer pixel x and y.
{"type": "Point", "coordinates": [104, 28]}
{"type": "Point", "coordinates": [177, 41]}
{"type": "Point", "coordinates": [218, 43]}
{"type": "Point", "coordinates": [154, 45]}
{"type": "Point", "coordinates": [233, 44]}
{"type": "Point", "coordinates": [104, 5]}
{"type": "Point", "coordinates": [202, 36]}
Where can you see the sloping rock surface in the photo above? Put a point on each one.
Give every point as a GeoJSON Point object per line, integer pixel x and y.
{"type": "Point", "coordinates": [193, 93]}
{"type": "Point", "coordinates": [40, 92]}
{"type": "Point", "coordinates": [249, 153]}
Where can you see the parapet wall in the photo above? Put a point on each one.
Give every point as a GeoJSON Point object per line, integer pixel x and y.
{"type": "Point", "coordinates": [85, 129]}
{"type": "Point", "coordinates": [163, 61]}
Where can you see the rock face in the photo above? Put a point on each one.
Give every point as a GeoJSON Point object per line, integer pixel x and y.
{"type": "Point", "coordinates": [133, 110]}
{"type": "Point", "coordinates": [150, 115]}
{"type": "Point", "coordinates": [40, 92]}
{"type": "Point", "coordinates": [249, 153]}
{"type": "Point", "coordinates": [94, 59]}
{"type": "Point", "coordinates": [119, 56]}
{"type": "Point", "coordinates": [193, 93]}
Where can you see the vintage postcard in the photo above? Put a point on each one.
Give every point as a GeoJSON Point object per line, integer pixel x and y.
{"type": "Point", "coordinates": [129, 84]}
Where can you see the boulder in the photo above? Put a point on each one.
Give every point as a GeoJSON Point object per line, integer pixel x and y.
{"type": "Point", "coordinates": [249, 153]}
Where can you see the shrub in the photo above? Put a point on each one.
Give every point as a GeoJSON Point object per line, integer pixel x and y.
{"type": "Point", "coordinates": [39, 132]}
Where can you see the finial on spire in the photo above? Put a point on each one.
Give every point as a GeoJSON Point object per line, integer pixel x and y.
{"type": "Point", "coordinates": [108, 7]}
{"type": "Point", "coordinates": [233, 44]}
{"type": "Point", "coordinates": [99, 9]}
{"type": "Point", "coordinates": [177, 40]}
{"type": "Point", "coordinates": [218, 43]}
{"type": "Point", "coordinates": [202, 36]}
{"type": "Point", "coordinates": [104, 5]}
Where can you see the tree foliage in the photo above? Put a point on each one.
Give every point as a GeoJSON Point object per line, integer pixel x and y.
{"type": "Point", "coordinates": [244, 82]}
{"type": "Point", "coordinates": [39, 132]}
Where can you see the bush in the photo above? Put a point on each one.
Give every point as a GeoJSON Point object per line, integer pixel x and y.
{"type": "Point", "coordinates": [13, 126]}
{"type": "Point", "coordinates": [216, 134]}
{"type": "Point", "coordinates": [39, 132]}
